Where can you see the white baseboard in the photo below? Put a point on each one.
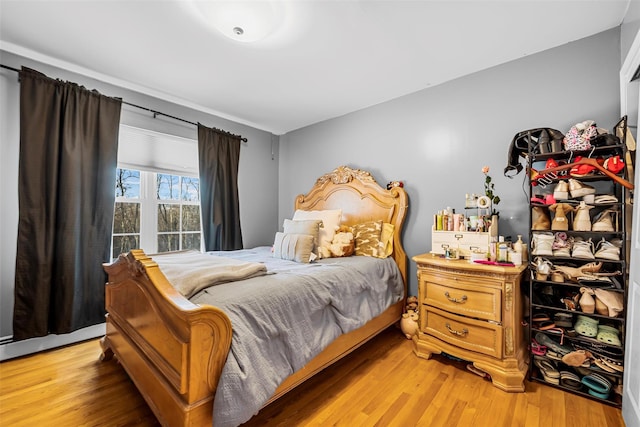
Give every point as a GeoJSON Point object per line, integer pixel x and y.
{"type": "Point", "coordinates": [14, 349]}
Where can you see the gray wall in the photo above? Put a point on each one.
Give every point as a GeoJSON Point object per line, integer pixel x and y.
{"type": "Point", "coordinates": [258, 180]}
{"type": "Point", "coordinates": [437, 140]}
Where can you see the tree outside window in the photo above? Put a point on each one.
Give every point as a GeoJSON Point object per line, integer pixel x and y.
{"type": "Point", "coordinates": [176, 202]}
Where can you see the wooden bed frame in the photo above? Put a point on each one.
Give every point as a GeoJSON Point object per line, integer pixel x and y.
{"type": "Point", "coordinates": [174, 350]}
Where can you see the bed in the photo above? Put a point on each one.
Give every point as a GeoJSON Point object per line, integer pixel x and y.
{"type": "Point", "coordinates": [176, 351]}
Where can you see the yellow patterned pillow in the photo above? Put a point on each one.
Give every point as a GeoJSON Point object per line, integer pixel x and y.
{"type": "Point", "coordinates": [367, 238]}
{"type": "Point", "coordinates": [386, 237]}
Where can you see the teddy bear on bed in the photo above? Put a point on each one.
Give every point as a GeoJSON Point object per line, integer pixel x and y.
{"type": "Point", "coordinates": [342, 244]}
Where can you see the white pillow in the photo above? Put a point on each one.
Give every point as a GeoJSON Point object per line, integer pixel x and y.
{"type": "Point", "coordinates": [330, 223]}
{"type": "Point", "coordinates": [307, 226]}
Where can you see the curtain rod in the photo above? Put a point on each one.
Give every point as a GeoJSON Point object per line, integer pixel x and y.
{"type": "Point", "coordinates": [158, 113]}
{"type": "Point", "coordinates": [155, 113]}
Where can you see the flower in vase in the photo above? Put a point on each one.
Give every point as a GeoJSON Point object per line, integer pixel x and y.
{"type": "Point", "coordinates": [489, 190]}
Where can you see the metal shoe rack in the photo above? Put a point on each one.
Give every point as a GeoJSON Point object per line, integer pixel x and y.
{"type": "Point", "coordinates": [556, 297]}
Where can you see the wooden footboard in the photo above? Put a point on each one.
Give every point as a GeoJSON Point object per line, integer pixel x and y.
{"type": "Point", "coordinates": [173, 350]}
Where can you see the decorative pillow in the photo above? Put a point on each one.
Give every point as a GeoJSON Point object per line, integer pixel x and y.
{"type": "Point", "coordinates": [330, 219]}
{"type": "Point", "coordinates": [307, 226]}
{"type": "Point", "coordinates": [293, 247]}
{"type": "Point", "coordinates": [367, 238]}
{"type": "Point", "coordinates": [386, 237]}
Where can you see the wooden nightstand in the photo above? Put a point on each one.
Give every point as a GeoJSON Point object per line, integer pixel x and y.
{"type": "Point", "coordinates": [473, 312]}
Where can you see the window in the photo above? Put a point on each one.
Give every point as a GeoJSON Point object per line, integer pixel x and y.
{"type": "Point", "coordinates": [126, 216]}
{"type": "Point", "coordinates": [157, 212]}
{"type": "Point", "coordinates": [178, 207]}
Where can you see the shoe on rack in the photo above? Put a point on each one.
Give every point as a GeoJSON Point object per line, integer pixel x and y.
{"type": "Point", "coordinates": [608, 334]}
{"type": "Point", "coordinates": [582, 219]}
{"type": "Point", "coordinates": [553, 345]}
{"type": "Point", "coordinates": [604, 221]}
{"type": "Point", "coordinates": [548, 369]}
{"type": "Point", "coordinates": [560, 220]}
{"type": "Point", "coordinates": [587, 305]}
{"type": "Point", "coordinates": [561, 190]}
{"type": "Point", "coordinates": [586, 326]}
{"type": "Point", "coordinates": [604, 199]}
{"type": "Point", "coordinates": [540, 218]}
{"type": "Point", "coordinates": [598, 385]}
{"type": "Point", "coordinates": [612, 300]}
{"type": "Point", "coordinates": [561, 245]}
{"type": "Point", "coordinates": [541, 244]}
{"type": "Point", "coordinates": [542, 267]}
{"type": "Point", "coordinates": [583, 249]}
{"type": "Point", "coordinates": [608, 250]}
{"type": "Point", "coordinates": [543, 199]}
{"type": "Point", "coordinates": [579, 189]}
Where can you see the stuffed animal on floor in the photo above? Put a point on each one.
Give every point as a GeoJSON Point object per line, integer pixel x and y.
{"type": "Point", "coordinates": [409, 321]}
{"type": "Point", "coordinates": [342, 244]}
{"type": "Point", "coordinates": [409, 324]}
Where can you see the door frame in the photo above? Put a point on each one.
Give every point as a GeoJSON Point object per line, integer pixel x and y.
{"type": "Point", "coordinates": [630, 97]}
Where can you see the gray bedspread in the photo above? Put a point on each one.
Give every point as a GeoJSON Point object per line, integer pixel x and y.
{"type": "Point", "coordinates": [285, 318]}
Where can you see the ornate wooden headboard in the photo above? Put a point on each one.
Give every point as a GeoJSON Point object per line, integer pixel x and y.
{"type": "Point", "coordinates": [361, 199]}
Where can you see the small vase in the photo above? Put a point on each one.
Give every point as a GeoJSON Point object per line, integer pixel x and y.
{"type": "Point", "coordinates": [518, 246]}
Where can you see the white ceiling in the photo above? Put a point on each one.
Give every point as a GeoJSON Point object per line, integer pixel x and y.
{"type": "Point", "coordinates": [326, 59]}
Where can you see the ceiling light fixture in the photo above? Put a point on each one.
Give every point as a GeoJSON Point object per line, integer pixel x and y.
{"type": "Point", "coordinates": [243, 21]}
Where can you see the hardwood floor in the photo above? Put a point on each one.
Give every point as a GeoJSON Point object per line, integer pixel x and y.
{"type": "Point", "coordinates": [382, 384]}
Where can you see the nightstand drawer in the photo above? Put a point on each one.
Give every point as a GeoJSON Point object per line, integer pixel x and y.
{"type": "Point", "coordinates": [474, 335]}
{"type": "Point", "coordinates": [464, 241]}
{"type": "Point", "coordinates": [460, 297]}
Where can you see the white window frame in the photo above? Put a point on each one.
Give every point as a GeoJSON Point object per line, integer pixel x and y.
{"type": "Point", "coordinates": [149, 210]}
{"type": "Point", "coordinates": [150, 153]}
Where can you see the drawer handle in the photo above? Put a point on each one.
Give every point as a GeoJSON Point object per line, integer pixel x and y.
{"type": "Point", "coordinates": [458, 333]}
{"type": "Point", "coordinates": [456, 300]}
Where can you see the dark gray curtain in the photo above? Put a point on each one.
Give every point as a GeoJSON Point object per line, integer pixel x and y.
{"type": "Point", "coordinates": [218, 157]}
{"type": "Point", "coordinates": [68, 159]}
